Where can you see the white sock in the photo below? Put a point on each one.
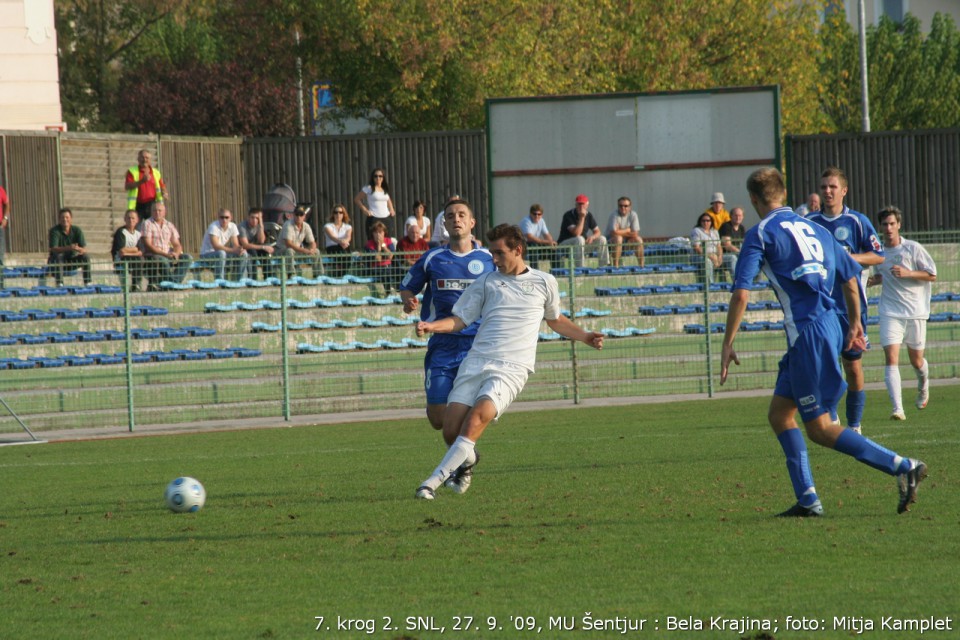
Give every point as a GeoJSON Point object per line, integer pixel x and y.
{"type": "Point", "coordinates": [923, 374]}
{"type": "Point", "coordinates": [891, 376]}
{"type": "Point", "coordinates": [459, 452]}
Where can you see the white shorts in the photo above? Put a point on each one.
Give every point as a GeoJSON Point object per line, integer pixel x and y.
{"type": "Point", "coordinates": [913, 333]}
{"type": "Point", "coordinates": [500, 381]}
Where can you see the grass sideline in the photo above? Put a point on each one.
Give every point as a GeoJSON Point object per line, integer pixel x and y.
{"type": "Point", "coordinates": [637, 512]}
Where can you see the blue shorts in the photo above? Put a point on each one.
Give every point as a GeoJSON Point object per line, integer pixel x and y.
{"type": "Point", "coordinates": [444, 354]}
{"type": "Point", "coordinates": [852, 354]}
{"type": "Point", "coordinates": [810, 373]}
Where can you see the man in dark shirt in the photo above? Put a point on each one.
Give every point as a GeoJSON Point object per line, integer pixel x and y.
{"type": "Point", "coordinates": [731, 237]}
{"type": "Point", "coordinates": [579, 228]}
{"type": "Point", "coordinates": [68, 248]}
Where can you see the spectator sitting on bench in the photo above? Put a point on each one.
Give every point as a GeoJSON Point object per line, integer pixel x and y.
{"type": "Point", "coordinates": [127, 252]}
{"type": "Point", "coordinates": [253, 238]}
{"type": "Point", "coordinates": [380, 249]}
{"type": "Point", "coordinates": [220, 243]}
{"type": "Point", "coordinates": [67, 248]}
{"type": "Point", "coordinates": [299, 246]}
{"type": "Point", "coordinates": [161, 242]}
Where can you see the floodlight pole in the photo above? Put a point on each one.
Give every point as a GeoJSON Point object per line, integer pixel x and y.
{"type": "Point", "coordinates": [864, 86]}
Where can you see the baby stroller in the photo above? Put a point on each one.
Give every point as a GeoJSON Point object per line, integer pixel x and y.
{"type": "Point", "coordinates": [278, 206]}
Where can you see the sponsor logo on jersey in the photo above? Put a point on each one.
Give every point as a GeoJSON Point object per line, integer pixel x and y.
{"type": "Point", "coordinates": [453, 284]}
{"type": "Point", "coordinates": [808, 400]}
{"type": "Point", "coordinates": [475, 267]}
{"type": "Point", "coordinates": [875, 243]}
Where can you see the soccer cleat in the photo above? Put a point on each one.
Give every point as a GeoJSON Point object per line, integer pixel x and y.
{"type": "Point", "coordinates": [898, 415]}
{"type": "Point", "coordinates": [424, 493]}
{"type": "Point", "coordinates": [923, 396]}
{"type": "Point", "coordinates": [460, 481]}
{"type": "Point", "coordinates": [799, 511]}
{"type": "Point", "coordinates": [908, 483]}
{"type": "Point", "coordinates": [856, 429]}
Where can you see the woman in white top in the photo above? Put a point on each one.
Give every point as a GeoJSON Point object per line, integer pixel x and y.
{"type": "Point", "coordinates": [337, 235]}
{"type": "Point", "coordinates": [705, 241]}
{"type": "Point", "coordinates": [375, 203]}
{"type": "Point", "coordinates": [419, 220]}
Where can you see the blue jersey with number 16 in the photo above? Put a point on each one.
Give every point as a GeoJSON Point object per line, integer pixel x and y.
{"type": "Point", "coordinates": [802, 261]}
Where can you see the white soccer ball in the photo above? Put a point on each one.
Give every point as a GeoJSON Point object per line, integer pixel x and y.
{"type": "Point", "coordinates": [185, 494]}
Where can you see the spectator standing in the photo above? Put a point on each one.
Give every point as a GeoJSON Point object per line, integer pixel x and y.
{"type": "Point", "coordinates": [337, 236]}
{"type": "Point", "coordinates": [539, 241]}
{"type": "Point", "coordinates": [144, 185]}
{"type": "Point", "coordinates": [375, 203]}
{"type": "Point", "coordinates": [421, 221]}
{"type": "Point", "coordinates": [812, 205]}
{"type": "Point", "coordinates": [298, 245]}
{"type": "Point", "coordinates": [221, 243]}
{"type": "Point", "coordinates": [165, 259]}
{"type": "Point", "coordinates": [856, 234]}
{"type": "Point", "coordinates": [731, 237]}
{"type": "Point", "coordinates": [412, 245]}
{"type": "Point", "coordinates": [4, 222]}
{"type": "Point", "coordinates": [804, 264]}
{"type": "Point", "coordinates": [906, 275]}
{"type": "Point", "coordinates": [579, 228]}
{"type": "Point", "coordinates": [624, 228]}
{"type": "Point", "coordinates": [127, 250]}
{"type": "Point", "coordinates": [717, 210]}
{"type": "Point", "coordinates": [253, 238]}
{"type": "Point", "coordinates": [705, 242]}
{"type": "Point", "coordinates": [68, 248]}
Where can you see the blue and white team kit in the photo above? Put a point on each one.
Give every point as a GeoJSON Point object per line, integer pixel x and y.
{"type": "Point", "coordinates": [856, 234]}
{"type": "Point", "coordinates": [802, 261]}
{"type": "Point", "coordinates": [443, 275]}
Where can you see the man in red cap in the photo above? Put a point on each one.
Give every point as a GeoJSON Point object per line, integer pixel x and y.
{"type": "Point", "coordinates": [579, 229]}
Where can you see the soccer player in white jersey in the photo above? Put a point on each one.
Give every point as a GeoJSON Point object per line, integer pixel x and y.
{"type": "Point", "coordinates": [856, 234]}
{"type": "Point", "coordinates": [804, 264]}
{"type": "Point", "coordinates": [906, 274]}
{"type": "Point", "coordinates": [510, 304]}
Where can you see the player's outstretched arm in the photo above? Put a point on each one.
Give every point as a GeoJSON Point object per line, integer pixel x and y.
{"type": "Point", "coordinates": [565, 327]}
{"type": "Point", "coordinates": [738, 306]}
{"type": "Point", "coordinates": [445, 325]}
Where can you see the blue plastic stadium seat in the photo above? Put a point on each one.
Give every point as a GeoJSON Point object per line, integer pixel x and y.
{"type": "Point", "coordinates": [7, 342]}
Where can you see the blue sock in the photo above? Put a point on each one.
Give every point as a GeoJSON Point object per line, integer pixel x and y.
{"type": "Point", "coordinates": [869, 452]}
{"type": "Point", "coordinates": [856, 400]}
{"type": "Point", "coordinates": [798, 466]}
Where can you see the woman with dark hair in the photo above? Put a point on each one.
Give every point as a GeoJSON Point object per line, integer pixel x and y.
{"type": "Point", "coordinates": [705, 241]}
{"type": "Point", "coordinates": [375, 203]}
{"type": "Point", "coordinates": [421, 221]}
{"type": "Point", "coordinates": [337, 235]}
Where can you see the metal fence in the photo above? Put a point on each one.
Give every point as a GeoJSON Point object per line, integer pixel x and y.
{"type": "Point", "coordinates": [918, 171]}
{"type": "Point", "coordinates": [105, 355]}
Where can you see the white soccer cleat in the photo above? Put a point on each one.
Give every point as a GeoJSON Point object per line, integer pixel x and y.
{"type": "Point", "coordinates": [857, 429]}
{"type": "Point", "coordinates": [898, 415]}
{"type": "Point", "coordinates": [424, 493]}
{"type": "Point", "coordinates": [923, 396]}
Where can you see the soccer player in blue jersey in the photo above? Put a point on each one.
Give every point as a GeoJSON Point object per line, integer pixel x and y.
{"type": "Point", "coordinates": [856, 235]}
{"type": "Point", "coordinates": [442, 274]}
{"type": "Point", "coordinates": [803, 264]}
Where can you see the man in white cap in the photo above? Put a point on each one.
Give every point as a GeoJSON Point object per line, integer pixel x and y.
{"type": "Point", "coordinates": [717, 211]}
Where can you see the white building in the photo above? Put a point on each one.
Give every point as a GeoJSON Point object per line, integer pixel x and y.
{"type": "Point", "coordinates": [923, 10]}
{"type": "Point", "coordinates": [29, 79]}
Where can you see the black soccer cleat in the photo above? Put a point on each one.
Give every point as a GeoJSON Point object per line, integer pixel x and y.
{"type": "Point", "coordinates": [908, 483]}
{"type": "Point", "coordinates": [799, 511]}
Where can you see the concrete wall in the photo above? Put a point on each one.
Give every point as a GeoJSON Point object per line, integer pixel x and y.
{"type": "Point", "coordinates": [29, 82]}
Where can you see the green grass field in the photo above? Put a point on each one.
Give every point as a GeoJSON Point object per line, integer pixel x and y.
{"type": "Point", "coordinates": [592, 518]}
